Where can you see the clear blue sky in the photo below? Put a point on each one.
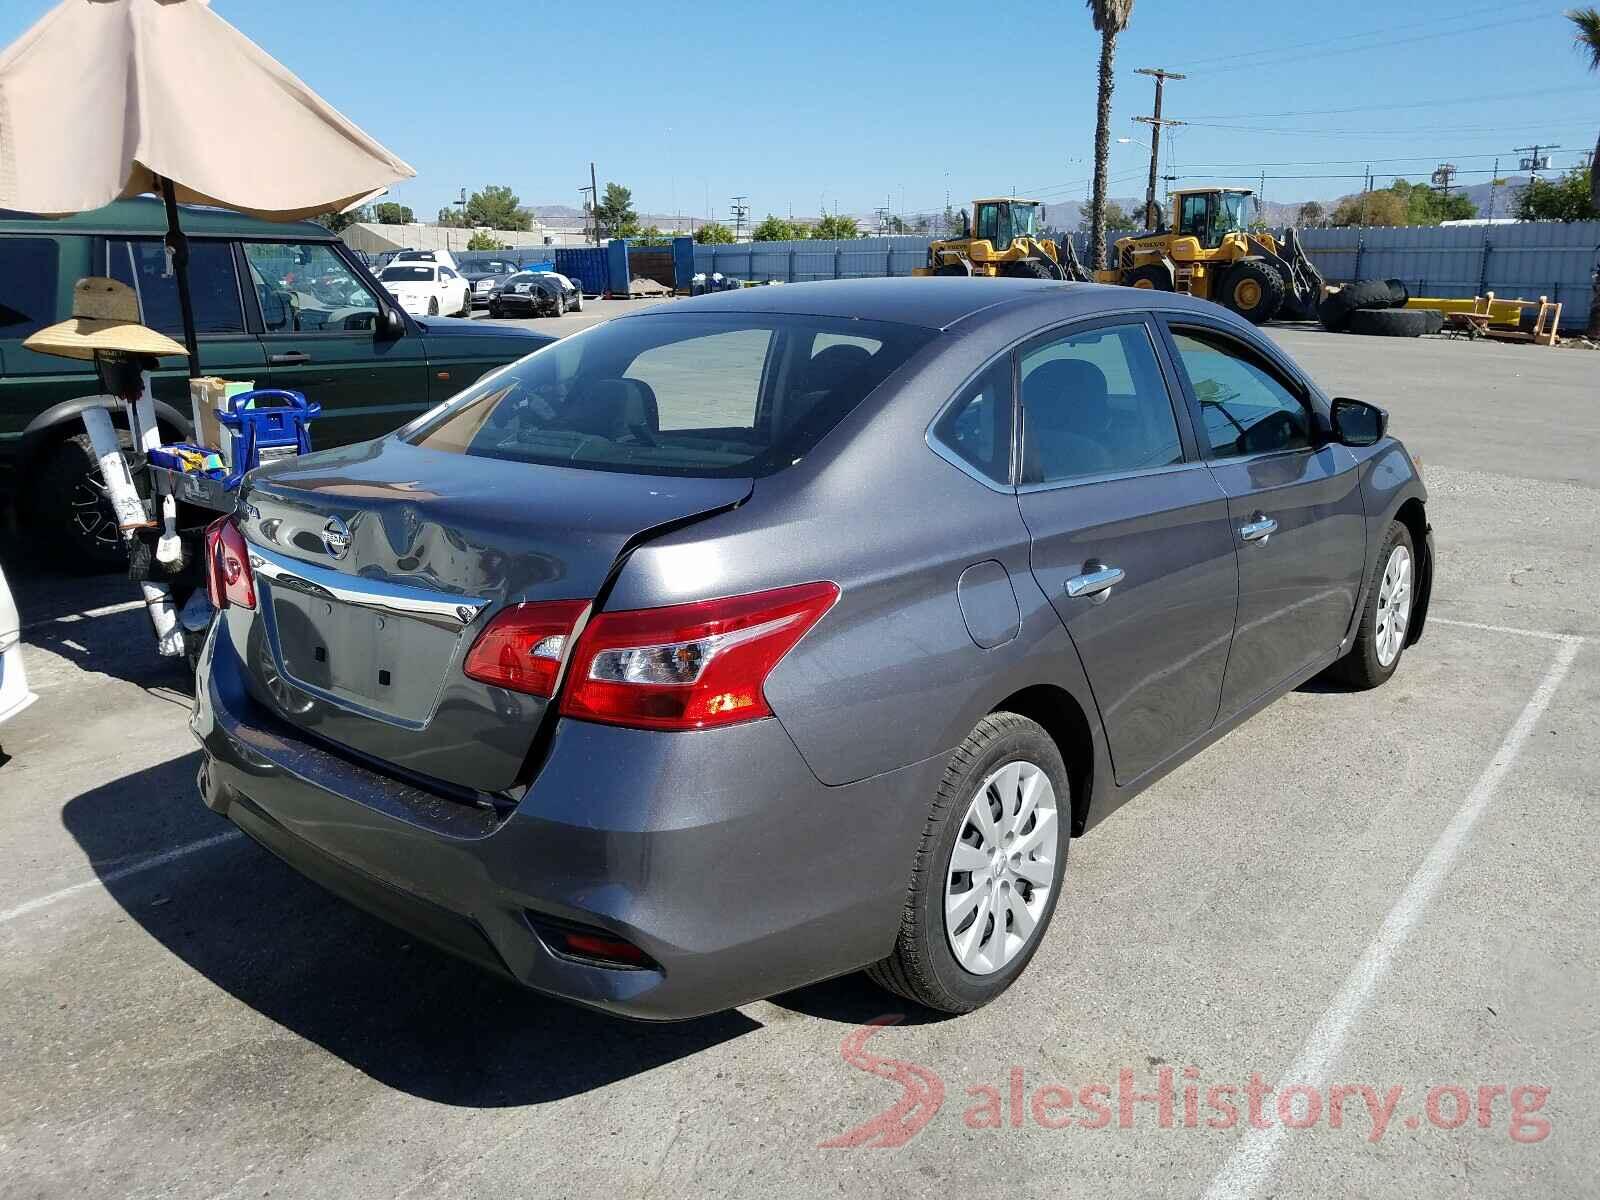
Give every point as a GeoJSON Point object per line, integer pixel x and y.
{"type": "Point", "coordinates": [801, 105]}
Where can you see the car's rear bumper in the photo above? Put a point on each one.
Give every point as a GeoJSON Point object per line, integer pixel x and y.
{"type": "Point", "coordinates": [717, 853]}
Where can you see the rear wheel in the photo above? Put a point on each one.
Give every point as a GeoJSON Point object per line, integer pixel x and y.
{"type": "Point", "coordinates": [466, 303]}
{"type": "Point", "coordinates": [71, 512]}
{"type": "Point", "coordinates": [1151, 277]}
{"type": "Point", "coordinates": [561, 304]}
{"type": "Point", "coordinates": [433, 306]}
{"type": "Point", "coordinates": [1254, 290]}
{"type": "Point", "coordinates": [1386, 618]}
{"type": "Point", "coordinates": [988, 871]}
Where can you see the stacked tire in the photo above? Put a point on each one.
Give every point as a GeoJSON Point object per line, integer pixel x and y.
{"type": "Point", "coordinates": [1377, 308]}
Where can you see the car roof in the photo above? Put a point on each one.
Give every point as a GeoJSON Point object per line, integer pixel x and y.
{"type": "Point", "coordinates": [146, 214]}
{"type": "Point", "coordinates": [935, 302]}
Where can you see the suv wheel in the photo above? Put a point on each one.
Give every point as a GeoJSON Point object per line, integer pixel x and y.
{"type": "Point", "coordinates": [71, 513]}
{"type": "Point", "coordinates": [988, 872]}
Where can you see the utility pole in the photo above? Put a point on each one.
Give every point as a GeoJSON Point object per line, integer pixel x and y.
{"type": "Point", "coordinates": [594, 202]}
{"type": "Point", "coordinates": [1535, 162]}
{"type": "Point", "coordinates": [1443, 178]}
{"type": "Point", "coordinates": [740, 211]}
{"type": "Point", "coordinates": [1155, 122]}
{"type": "Point", "coordinates": [1494, 186]}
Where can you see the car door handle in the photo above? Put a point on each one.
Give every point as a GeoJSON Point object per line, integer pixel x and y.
{"type": "Point", "coordinates": [1098, 582]}
{"type": "Point", "coordinates": [1258, 530]}
{"type": "Point", "coordinates": [289, 358]}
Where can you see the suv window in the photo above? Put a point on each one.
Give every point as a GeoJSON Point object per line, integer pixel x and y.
{"type": "Point", "coordinates": [1093, 403]}
{"type": "Point", "coordinates": [141, 263]}
{"type": "Point", "coordinates": [28, 266]}
{"type": "Point", "coordinates": [674, 394]}
{"type": "Point", "coordinates": [977, 427]}
{"type": "Point", "coordinates": [1245, 407]}
{"type": "Point", "coordinates": [304, 287]}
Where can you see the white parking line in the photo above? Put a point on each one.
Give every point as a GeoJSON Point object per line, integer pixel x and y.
{"type": "Point", "coordinates": [1543, 634]}
{"type": "Point", "coordinates": [109, 610]}
{"type": "Point", "coordinates": [1252, 1161]}
{"type": "Point", "coordinates": [145, 864]}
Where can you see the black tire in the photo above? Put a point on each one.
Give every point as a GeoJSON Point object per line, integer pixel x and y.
{"type": "Point", "coordinates": [1362, 667]}
{"type": "Point", "coordinates": [466, 306]}
{"type": "Point", "coordinates": [495, 310]}
{"type": "Point", "coordinates": [1435, 319]}
{"type": "Point", "coordinates": [70, 514]}
{"type": "Point", "coordinates": [923, 968]}
{"type": "Point", "coordinates": [1151, 276]}
{"type": "Point", "coordinates": [1399, 293]}
{"type": "Point", "coordinates": [1335, 309]}
{"type": "Point", "coordinates": [1253, 289]}
{"type": "Point", "coordinates": [561, 305]}
{"type": "Point", "coordinates": [433, 306]}
{"type": "Point", "coordinates": [1030, 268]}
{"type": "Point", "coordinates": [1391, 322]}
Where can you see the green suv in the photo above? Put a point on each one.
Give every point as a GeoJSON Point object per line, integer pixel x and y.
{"type": "Point", "coordinates": [286, 306]}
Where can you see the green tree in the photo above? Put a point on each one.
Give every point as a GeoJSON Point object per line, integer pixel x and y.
{"type": "Point", "coordinates": [648, 236]}
{"type": "Point", "coordinates": [497, 207]}
{"type": "Point", "coordinates": [832, 226]}
{"type": "Point", "coordinates": [713, 233]}
{"type": "Point", "coordinates": [1564, 199]}
{"type": "Point", "coordinates": [777, 229]}
{"type": "Point", "coordinates": [615, 212]}
{"type": "Point", "coordinates": [1311, 215]}
{"type": "Point", "coordinates": [1110, 18]}
{"type": "Point", "coordinates": [390, 213]}
{"type": "Point", "coordinates": [1380, 207]}
{"type": "Point", "coordinates": [339, 222]}
{"type": "Point", "coordinates": [1118, 219]}
{"type": "Point", "coordinates": [452, 217]}
{"type": "Point", "coordinates": [484, 239]}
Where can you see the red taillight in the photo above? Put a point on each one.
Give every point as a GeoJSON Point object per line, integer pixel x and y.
{"type": "Point", "coordinates": [604, 949]}
{"type": "Point", "coordinates": [689, 666]}
{"type": "Point", "coordinates": [228, 577]}
{"type": "Point", "coordinates": [522, 647]}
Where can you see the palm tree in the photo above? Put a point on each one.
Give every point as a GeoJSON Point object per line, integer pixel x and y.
{"type": "Point", "coordinates": [1110, 18]}
{"type": "Point", "coordinates": [1587, 21]}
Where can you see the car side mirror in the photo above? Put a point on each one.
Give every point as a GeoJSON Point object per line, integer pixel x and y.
{"type": "Point", "coordinates": [391, 325]}
{"type": "Point", "coordinates": [1357, 423]}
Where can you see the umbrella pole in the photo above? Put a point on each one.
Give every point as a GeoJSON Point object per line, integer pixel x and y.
{"type": "Point", "coordinates": [178, 244]}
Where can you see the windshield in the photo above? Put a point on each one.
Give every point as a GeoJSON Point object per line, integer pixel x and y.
{"type": "Point", "coordinates": [407, 275]}
{"type": "Point", "coordinates": [1023, 221]}
{"type": "Point", "coordinates": [1232, 213]}
{"type": "Point", "coordinates": [675, 394]}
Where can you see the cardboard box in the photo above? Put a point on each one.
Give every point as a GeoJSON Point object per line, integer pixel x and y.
{"type": "Point", "coordinates": [206, 395]}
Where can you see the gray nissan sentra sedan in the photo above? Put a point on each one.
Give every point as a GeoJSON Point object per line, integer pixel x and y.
{"type": "Point", "coordinates": [766, 636]}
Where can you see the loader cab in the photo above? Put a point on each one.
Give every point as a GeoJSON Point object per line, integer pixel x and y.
{"type": "Point", "coordinates": [1000, 222]}
{"type": "Point", "coordinates": [1213, 214]}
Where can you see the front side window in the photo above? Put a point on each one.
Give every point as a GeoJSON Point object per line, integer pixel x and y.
{"type": "Point", "coordinates": [1194, 217]}
{"type": "Point", "coordinates": [675, 394]}
{"type": "Point", "coordinates": [1093, 403]}
{"type": "Point", "coordinates": [141, 263]}
{"type": "Point", "coordinates": [28, 266]}
{"type": "Point", "coordinates": [1245, 407]}
{"type": "Point", "coordinates": [304, 287]}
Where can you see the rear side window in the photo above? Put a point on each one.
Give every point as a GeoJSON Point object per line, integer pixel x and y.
{"type": "Point", "coordinates": [1095, 403]}
{"type": "Point", "coordinates": [213, 284]}
{"type": "Point", "coordinates": [1245, 407]}
{"type": "Point", "coordinates": [977, 427]}
{"type": "Point", "coordinates": [28, 267]}
{"type": "Point", "coordinates": [675, 394]}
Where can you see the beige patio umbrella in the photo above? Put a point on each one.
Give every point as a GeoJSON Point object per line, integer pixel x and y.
{"type": "Point", "coordinates": [105, 99]}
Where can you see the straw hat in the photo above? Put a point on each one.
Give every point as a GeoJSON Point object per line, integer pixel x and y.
{"type": "Point", "coordinates": [105, 316]}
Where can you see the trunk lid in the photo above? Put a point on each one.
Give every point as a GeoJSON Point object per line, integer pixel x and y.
{"type": "Point", "coordinates": [378, 564]}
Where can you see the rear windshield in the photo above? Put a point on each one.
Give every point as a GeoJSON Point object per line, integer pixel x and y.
{"type": "Point", "coordinates": [675, 394]}
{"type": "Point", "coordinates": [407, 275]}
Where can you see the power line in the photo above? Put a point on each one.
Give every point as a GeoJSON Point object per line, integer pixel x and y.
{"type": "Point", "coordinates": [1343, 37]}
{"type": "Point", "coordinates": [1443, 100]}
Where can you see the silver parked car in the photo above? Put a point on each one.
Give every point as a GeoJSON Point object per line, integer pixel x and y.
{"type": "Point", "coordinates": [738, 644]}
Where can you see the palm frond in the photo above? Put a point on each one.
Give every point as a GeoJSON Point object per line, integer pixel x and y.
{"type": "Point", "coordinates": [1110, 15]}
{"type": "Point", "coordinates": [1587, 21]}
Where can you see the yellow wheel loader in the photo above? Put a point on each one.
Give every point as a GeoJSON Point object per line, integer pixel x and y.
{"type": "Point", "coordinates": [1004, 238]}
{"type": "Point", "coordinates": [1210, 251]}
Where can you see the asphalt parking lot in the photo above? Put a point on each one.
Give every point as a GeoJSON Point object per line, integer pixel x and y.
{"type": "Point", "coordinates": [1381, 906]}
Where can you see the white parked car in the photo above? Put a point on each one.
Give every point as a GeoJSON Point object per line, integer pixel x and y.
{"type": "Point", "coordinates": [14, 693]}
{"type": "Point", "coordinates": [442, 258]}
{"type": "Point", "coordinates": [427, 289]}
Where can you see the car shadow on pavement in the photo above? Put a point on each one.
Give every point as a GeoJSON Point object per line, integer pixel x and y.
{"type": "Point", "coordinates": [411, 1017]}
